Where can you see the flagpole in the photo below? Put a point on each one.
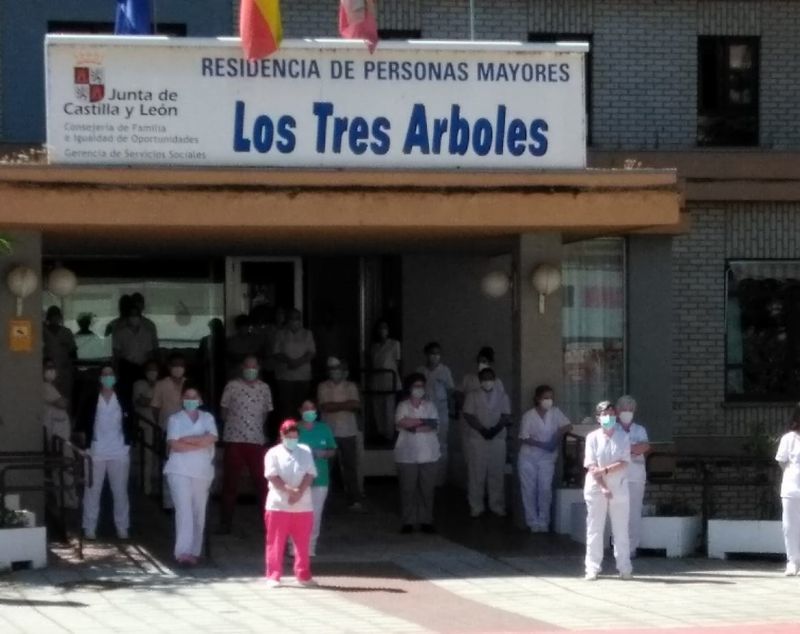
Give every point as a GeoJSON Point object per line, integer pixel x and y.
{"type": "Point", "coordinates": [472, 19]}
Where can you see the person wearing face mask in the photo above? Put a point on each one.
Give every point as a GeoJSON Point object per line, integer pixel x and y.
{"type": "Point", "coordinates": [133, 344]}
{"type": "Point", "coordinates": [317, 436]}
{"type": "Point", "coordinates": [59, 346]}
{"type": "Point", "coordinates": [168, 400]}
{"type": "Point", "coordinates": [607, 458]}
{"type": "Point", "coordinates": [246, 404]}
{"type": "Point", "coordinates": [294, 350]}
{"type": "Point", "coordinates": [104, 423]}
{"type": "Point", "coordinates": [191, 437]}
{"type": "Point", "coordinates": [540, 433]}
{"type": "Point", "coordinates": [637, 476]}
{"type": "Point", "coordinates": [416, 454]}
{"type": "Point", "coordinates": [56, 422]}
{"type": "Point", "coordinates": [439, 390]}
{"type": "Point", "coordinates": [143, 391]}
{"type": "Point", "coordinates": [289, 511]}
{"type": "Point", "coordinates": [339, 403]}
{"type": "Point", "coordinates": [385, 358]}
{"type": "Point", "coordinates": [487, 414]}
{"type": "Point", "coordinates": [470, 382]}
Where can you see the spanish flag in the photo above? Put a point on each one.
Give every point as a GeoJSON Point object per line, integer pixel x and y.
{"type": "Point", "coordinates": [260, 27]}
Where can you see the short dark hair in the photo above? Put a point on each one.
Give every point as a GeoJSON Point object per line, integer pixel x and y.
{"type": "Point", "coordinates": [540, 391]}
{"type": "Point", "coordinates": [176, 356]}
{"type": "Point", "coordinates": [414, 377]}
{"type": "Point", "coordinates": [431, 346]}
{"type": "Point", "coordinates": [794, 425]}
{"type": "Point", "coordinates": [487, 352]}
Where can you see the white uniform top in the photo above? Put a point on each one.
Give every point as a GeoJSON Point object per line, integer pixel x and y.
{"type": "Point", "coordinates": [416, 447]}
{"type": "Point", "coordinates": [291, 467]}
{"type": "Point", "coordinates": [487, 407]}
{"type": "Point", "coordinates": [789, 453]}
{"type": "Point", "coordinates": [109, 441]}
{"type": "Point", "coordinates": [602, 450]}
{"type": "Point", "coordinates": [294, 345]}
{"type": "Point", "coordinates": [194, 464]}
{"type": "Point", "coordinates": [540, 429]}
{"type": "Point", "coordinates": [636, 434]}
{"type": "Point", "coordinates": [438, 384]}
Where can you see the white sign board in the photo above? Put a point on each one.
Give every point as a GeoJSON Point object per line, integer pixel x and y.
{"type": "Point", "coordinates": [315, 104]}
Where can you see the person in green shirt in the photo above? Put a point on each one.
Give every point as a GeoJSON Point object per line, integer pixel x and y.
{"type": "Point", "coordinates": [317, 435]}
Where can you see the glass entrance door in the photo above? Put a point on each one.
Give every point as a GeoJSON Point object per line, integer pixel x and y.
{"type": "Point", "coordinates": [250, 282]}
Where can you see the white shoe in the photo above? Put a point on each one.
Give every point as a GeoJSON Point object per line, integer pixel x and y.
{"type": "Point", "coordinates": [308, 583]}
{"type": "Point", "coordinates": [590, 576]}
{"type": "Point", "coordinates": [791, 569]}
{"type": "Point", "coordinates": [272, 583]}
{"type": "Point", "coordinates": [626, 576]}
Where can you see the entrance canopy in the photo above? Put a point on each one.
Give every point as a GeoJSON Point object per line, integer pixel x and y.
{"type": "Point", "coordinates": [329, 209]}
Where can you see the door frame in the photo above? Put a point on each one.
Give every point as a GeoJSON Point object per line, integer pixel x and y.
{"type": "Point", "coordinates": [235, 303]}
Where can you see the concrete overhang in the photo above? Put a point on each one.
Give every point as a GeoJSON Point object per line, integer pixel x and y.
{"type": "Point", "coordinates": [323, 204]}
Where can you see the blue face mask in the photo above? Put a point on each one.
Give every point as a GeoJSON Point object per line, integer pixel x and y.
{"type": "Point", "coordinates": [309, 416]}
{"type": "Point", "coordinates": [191, 404]}
{"type": "Point", "coordinates": [108, 381]}
{"type": "Point", "coordinates": [608, 422]}
{"type": "Point", "coordinates": [290, 443]}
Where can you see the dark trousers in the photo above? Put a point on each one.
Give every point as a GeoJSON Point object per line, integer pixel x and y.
{"type": "Point", "coordinates": [347, 459]}
{"type": "Point", "coordinates": [238, 456]}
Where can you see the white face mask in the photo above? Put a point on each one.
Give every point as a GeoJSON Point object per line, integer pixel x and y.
{"type": "Point", "coordinates": [482, 365]}
{"type": "Point", "coordinates": [546, 403]}
{"type": "Point", "coordinates": [417, 392]}
{"type": "Point", "coordinates": [50, 375]}
{"type": "Point", "coordinates": [626, 418]}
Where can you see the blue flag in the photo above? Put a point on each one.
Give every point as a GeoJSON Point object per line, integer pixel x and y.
{"type": "Point", "coordinates": [134, 17]}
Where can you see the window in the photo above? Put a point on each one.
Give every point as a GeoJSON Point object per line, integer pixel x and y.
{"type": "Point", "coordinates": [593, 324]}
{"type": "Point", "coordinates": [727, 92]}
{"type": "Point", "coordinates": [107, 28]}
{"type": "Point", "coordinates": [762, 318]}
{"type": "Point", "coordinates": [399, 34]}
{"type": "Point", "coordinates": [551, 38]}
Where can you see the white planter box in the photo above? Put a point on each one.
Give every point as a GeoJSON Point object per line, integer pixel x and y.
{"type": "Point", "coordinates": [744, 536]}
{"type": "Point", "coordinates": [23, 545]}
{"type": "Point", "coordinates": [562, 509]}
{"type": "Point", "coordinates": [679, 536]}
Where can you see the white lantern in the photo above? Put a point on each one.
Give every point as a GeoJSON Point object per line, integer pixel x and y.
{"type": "Point", "coordinates": [495, 284]}
{"type": "Point", "coordinates": [546, 279]}
{"type": "Point", "coordinates": [22, 281]}
{"type": "Point", "coordinates": [61, 282]}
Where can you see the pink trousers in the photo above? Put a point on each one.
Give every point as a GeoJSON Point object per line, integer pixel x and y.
{"type": "Point", "coordinates": [281, 525]}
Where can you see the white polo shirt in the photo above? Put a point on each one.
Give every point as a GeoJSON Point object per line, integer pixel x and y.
{"type": "Point", "coordinates": [194, 464]}
{"type": "Point", "coordinates": [541, 429]}
{"type": "Point", "coordinates": [789, 452]}
{"type": "Point", "coordinates": [603, 450]}
{"type": "Point", "coordinates": [416, 447]}
{"type": "Point", "coordinates": [291, 467]}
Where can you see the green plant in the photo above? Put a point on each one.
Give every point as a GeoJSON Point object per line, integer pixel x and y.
{"type": "Point", "coordinates": [760, 444]}
{"type": "Point", "coordinates": [5, 245]}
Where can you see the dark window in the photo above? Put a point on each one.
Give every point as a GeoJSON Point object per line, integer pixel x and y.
{"type": "Point", "coordinates": [107, 28]}
{"type": "Point", "coordinates": [551, 38]}
{"type": "Point", "coordinates": [727, 91]}
{"type": "Point", "coordinates": [399, 34]}
{"type": "Point", "coordinates": [762, 330]}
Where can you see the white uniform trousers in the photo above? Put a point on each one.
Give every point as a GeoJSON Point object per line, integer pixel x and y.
{"type": "Point", "coordinates": [791, 529]}
{"type": "Point", "coordinates": [318, 497]}
{"type": "Point", "coordinates": [486, 470]}
{"type": "Point", "coordinates": [636, 492]}
{"type": "Point", "coordinates": [536, 486]}
{"type": "Point", "coordinates": [598, 507]}
{"type": "Point", "coordinates": [117, 470]}
{"type": "Point", "coordinates": [190, 496]}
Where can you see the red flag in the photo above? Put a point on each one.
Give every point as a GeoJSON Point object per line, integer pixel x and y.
{"type": "Point", "coordinates": [260, 27]}
{"type": "Point", "coordinates": [358, 21]}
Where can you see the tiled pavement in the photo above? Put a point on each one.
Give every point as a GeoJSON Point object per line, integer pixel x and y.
{"type": "Point", "coordinates": [482, 576]}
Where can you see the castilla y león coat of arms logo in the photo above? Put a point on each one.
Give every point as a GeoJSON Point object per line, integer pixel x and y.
{"type": "Point", "coordinates": [89, 80]}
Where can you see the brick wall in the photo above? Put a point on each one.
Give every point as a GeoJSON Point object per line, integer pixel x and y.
{"type": "Point", "coordinates": [720, 232]}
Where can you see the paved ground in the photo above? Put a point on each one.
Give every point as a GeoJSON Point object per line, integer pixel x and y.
{"type": "Point", "coordinates": [478, 577]}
